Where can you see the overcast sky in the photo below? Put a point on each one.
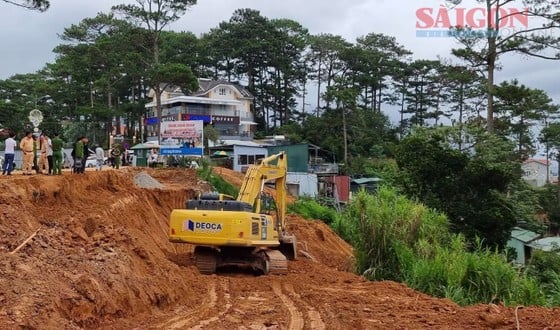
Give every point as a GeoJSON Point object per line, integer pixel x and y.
{"type": "Point", "coordinates": [28, 37]}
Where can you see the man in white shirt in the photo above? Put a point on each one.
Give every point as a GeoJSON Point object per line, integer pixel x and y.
{"type": "Point", "coordinates": [49, 154]}
{"type": "Point", "coordinates": [9, 153]}
{"type": "Point", "coordinates": [99, 157]}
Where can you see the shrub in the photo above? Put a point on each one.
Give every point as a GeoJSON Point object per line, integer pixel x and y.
{"type": "Point", "coordinates": [396, 239]}
{"type": "Point", "coordinates": [311, 209]}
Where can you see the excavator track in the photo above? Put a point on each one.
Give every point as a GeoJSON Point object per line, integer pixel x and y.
{"type": "Point", "coordinates": [277, 262]}
{"type": "Point", "coordinates": [206, 260]}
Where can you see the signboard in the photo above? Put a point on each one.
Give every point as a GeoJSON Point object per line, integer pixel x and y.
{"type": "Point", "coordinates": [182, 138]}
{"type": "Point", "coordinates": [150, 121]}
{"type": "Point", "coordinates": [225, 120]}
{"type": "Point", "coordinates": [204, 118]}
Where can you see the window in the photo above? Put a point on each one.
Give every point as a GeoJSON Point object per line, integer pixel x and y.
{"type": "Point", "coordinates": [222, 91]}
{"type": "Point", "coordinates": [249, 159]}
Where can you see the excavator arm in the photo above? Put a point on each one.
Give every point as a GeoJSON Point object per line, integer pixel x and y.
{"type": "Point", "coordinates": [271, 169]}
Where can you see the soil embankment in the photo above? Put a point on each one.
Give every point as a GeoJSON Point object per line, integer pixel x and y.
{"type": "Point", "coordinates": [100, 259]}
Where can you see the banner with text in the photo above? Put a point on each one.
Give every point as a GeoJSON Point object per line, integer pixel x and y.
{"type": "Point", "coordinates": [182, 138]}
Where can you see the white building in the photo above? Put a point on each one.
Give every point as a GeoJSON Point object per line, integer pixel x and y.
{"type": "Point", "coordinates": [536, 172]}
{"type": "Point", "coordinates": [227, 106]}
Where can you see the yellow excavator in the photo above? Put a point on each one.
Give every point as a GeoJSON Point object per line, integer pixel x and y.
{"type": "Point", "coordinates": [248, 232]}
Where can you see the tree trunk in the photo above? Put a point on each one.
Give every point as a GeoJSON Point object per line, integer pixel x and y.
{"type": "Point", "coordinates": [157, 91]}
{"type": "Point", "coordinates": [461, 92]}
{"type": "Point", "coordinates": [401, 128]}
{"type": "Point", "coordinates": [491, 62]}
{"type": "Point", "coordinates": [319, 87]}
{"type": "Point", "coordinates": [110, 122]}
{"type": "Point", "coordinates": [345, 135]}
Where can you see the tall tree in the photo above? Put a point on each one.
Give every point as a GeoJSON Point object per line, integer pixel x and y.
{"type": "Point", "coordinates": [155, 15]}
{"type": "Point", "coordinates": [378, 59]}
{"type": "Point", "coordinates": [250, 42]}
{"type": "Point", "coordinates": [325, 54]}
{"type": "Point", "coordinates": [521, 108]}
{"type": "Point", "coordinates": [482, 51]}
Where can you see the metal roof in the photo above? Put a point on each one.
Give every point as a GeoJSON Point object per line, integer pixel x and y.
{"type": "Point", "coordinates": [546, 244]}
{"type": "Point", "coordinates": [524, 235]}
{"type": "Point", "coordinates": [366, 180]}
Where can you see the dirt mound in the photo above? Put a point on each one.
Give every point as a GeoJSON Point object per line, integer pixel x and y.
{"type": "Point", "coordinates": [100, 259]}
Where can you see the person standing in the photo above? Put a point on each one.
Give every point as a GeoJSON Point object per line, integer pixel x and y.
{"type": "Point", "coordinates": [57, 154]}
{"type": "Point", "coordinates": [43, 161]}
{"type": "Point", "coordinates": [49, 155]}
{"type": "Point", "coordinates": [36, 150]}
{"type": "Point", "coordinates": [26, 146]}
{"type": "Point", "coordinates": [87, 152]}
{"type": "Point", "coordinates": [116, 153]}
{"type": "Point", "coordinates": [99, 158]}
{"type": "Point", "coordinates": [78, 155]}
{"type": "Point", "coordinates": [9, 154]}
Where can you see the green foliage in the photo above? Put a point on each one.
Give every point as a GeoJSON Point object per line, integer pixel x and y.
{"type": "Point", "coordinates": [471, 186]}
{"type": "Point", "coordinates": [549, 201]}
{"type": "Point", "coordinates": [381, 225]}
{"type": "Point", "coordinates": [396, 239]}
{"type": "Point", "coordinates": [311, 209]}
{"type": "Point", "coordinates": [384, 168]}
{"type": "Point", "coordinates": [218, 183]}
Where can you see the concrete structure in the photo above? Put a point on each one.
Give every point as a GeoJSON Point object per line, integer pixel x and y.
{"type": "Point", "coordinates": [520, 238]}
{"type": "Point", "coordinates": [227, 106]}
{"type": "Point", "coordinates": [302, 184]}
{"type": "Point", "coordinates": [535, 172]}
{"type": "Point", "coordinates": [246, 155]}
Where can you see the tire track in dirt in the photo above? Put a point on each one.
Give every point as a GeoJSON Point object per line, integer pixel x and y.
{"type": "Point", "coordinates": [296, 318]}
{"type": "Point", "coordinates": [315, 320]}
{"type": "Point", "coordinates": [183, 320]}
{"type": "Point", "coordinates": [225, 301]}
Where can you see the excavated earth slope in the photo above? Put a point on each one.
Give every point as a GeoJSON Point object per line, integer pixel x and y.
{"type": "Point", "coordinates": [96, 256]}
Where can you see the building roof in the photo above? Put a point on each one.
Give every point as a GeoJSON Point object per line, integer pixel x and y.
{"type": "Point", "coordinates": [524, 235]}
{"type": "Point", "coordinates": [192, 99]}
{"type": "Point", "coordinates": [365, 180]}
{"type": "Point", "coordinates": [205, 85]}
{"type": "Point", "coordinates": [546, 244]}
{"type": "Point", "coordinates": [239, 143]}
{"type": "Point", "coordinates": [539, 161]}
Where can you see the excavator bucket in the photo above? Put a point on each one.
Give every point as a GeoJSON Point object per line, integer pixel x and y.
{"type": "Point", "coordinates": [288, 247]}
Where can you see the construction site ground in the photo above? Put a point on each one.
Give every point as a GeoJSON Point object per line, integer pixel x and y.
{"type": "Point", "coordinates": [91, 252]}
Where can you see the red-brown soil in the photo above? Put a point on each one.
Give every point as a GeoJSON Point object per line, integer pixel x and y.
{"type": "Point", "coordinates": [100, 259]}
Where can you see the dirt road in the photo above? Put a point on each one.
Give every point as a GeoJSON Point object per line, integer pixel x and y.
{"type": "Point", "coordinates": [100, 259]}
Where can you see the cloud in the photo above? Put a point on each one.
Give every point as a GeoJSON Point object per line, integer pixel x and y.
{"type": "Point", "coordinates": [29, 37]}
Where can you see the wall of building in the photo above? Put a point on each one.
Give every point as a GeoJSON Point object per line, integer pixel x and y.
{"type": "Point", "coordinates": [519, 248]}
{"type": "Point", "coordinates": [534, 173]}
{"type": "Point", "coordinates": [240, 151]}
{"type": "Point", "coordinates": [305, 183]}
{"type": "Point", "coordinates": [298, 156]}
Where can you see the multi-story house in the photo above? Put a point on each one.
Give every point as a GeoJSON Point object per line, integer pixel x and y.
{"type": "Point", "coordinates": [227, 106]}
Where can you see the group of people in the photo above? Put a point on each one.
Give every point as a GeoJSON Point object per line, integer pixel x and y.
{"type": "Point", "coordinates": [49, 162]}
{"type": "Point", "coordinates": [43, 155]}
